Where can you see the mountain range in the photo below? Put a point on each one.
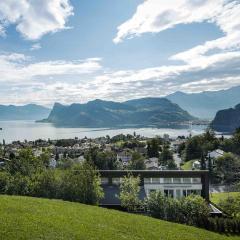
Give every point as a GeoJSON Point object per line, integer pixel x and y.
{"type": "Point", "coordinates": [139, 112]}
{"type": "Point", "coordinates": [205, 105]}
{"type": "Point", "coordinates": [26, 112]}
{"type": "Point", "coordinates": [227, 120]}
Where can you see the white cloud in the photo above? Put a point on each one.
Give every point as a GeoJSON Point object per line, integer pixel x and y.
{"type": "Point", "coordinates": [35, 46]}
{"type": "Point", "coordinates": [154, 16]}
{"type": "Point", "coordinates": [35, 18]}
{"type": "Point", "coordinates": [17, 68]}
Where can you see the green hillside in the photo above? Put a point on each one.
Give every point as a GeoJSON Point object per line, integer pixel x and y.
{"type": "Point", "coordinates": [33, 218]}
{"type": "Point", "coordinates": [217, 197]}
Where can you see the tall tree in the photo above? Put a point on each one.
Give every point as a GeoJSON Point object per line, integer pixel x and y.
{"type": "Point", "coordinates": [129, 193]}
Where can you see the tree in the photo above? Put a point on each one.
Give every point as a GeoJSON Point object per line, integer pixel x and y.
{"type": "Point", "coordinates": [153, 148]}
{"type": "Point", "coordinates": [166, 155]}
{"type": "Point", "coordinates": [4, 182]}
{"type": "Point", "coordinates": [194, 209]}
{"type": "Point", "coordinates": [46, 185]}
{"type": "Point", "coordinates": [81, 183]}
{"type": "Point", "coordinates": [163, 207]}
{"type": "Point", "coordinates": [25, 164]}
{"type": "Point", "coordinates": [137, 162]}
{"type": "Point", "coordinates": [129, 193]}
{"type": "Point", "coordinates": [228, 167]}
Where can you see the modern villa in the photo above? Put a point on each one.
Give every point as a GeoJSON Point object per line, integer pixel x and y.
{"type": "Point", "coordinates": [173, 183]}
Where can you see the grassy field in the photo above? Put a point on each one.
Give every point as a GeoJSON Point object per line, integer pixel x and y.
{"type": "Point", "coordinates": [217, 197]}
{"type": "Point", "coordinates": [33, 218]}
{"type": "Point", "coordinates": [188, 165]}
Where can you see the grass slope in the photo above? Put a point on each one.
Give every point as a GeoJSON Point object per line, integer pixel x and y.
{"type": "Point", "coordinates": [217, 197]}
{"type": "Point", "coordinates": [33, 218]}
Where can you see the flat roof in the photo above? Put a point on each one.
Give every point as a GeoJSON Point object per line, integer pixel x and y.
{"type": "Point", "coordinates": [154, 173]}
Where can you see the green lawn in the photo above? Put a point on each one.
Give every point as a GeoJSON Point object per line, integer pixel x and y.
{"type": "Point", "coordinates": [217, 197]}
{"type": "Point", "coordinates": [188, 165]}
{"type": "Point", "coordinates": [33, 218]}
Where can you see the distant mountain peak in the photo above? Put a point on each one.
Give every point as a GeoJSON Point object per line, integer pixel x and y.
{"type": "Point", "coordinates": [206, 104]}
{"type": "Point", "coordinates": [137, 112]}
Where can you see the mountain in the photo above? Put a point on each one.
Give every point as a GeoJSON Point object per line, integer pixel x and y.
{"type": "Point", "coordinates": [205, 104]}
{"type": "Point", "coordinates": [227, 120]}
{"type": "Point", "coordinates": [138, 112]}
{"type": "Point", "coordinates": [26, 112]}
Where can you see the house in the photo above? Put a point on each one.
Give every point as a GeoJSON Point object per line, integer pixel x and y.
{"type": "Point", "coordinates": [125, 157]}
{"type": "Point", "coordinates": [151, 163]}
{"type": "Point", "coordinates": [172, 183]}
{"type": "Point", "coordinates": [213, 155]}
{"type": "Point", "coordinates": [196, 164]}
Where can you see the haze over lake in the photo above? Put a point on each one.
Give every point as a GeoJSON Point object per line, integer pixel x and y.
{"type": "Point", "coordinates": [30, 130]}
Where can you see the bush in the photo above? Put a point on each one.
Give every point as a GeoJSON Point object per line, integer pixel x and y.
{"type": "Point", "coordinates": [4, 182]}
{"type": "Point", "coordinates": [20, 185]}
{"type": "Point", "coordinates": [192, 210]}
{"type": "Point", "coordinates": [46, 185]}
{"type": "Point", "coordinates": [129, 193]}
{"type": "Point", "coordinates": [81, 184]}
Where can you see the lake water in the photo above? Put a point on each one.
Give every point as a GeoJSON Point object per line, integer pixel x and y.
{"type": "Point", "coordinates": [21, 130]}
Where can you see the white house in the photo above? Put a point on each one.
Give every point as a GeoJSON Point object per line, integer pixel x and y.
{"type": "Point", "coordinates": [151, 163]}
{"type": "Point", "coordinates": [214, 155]}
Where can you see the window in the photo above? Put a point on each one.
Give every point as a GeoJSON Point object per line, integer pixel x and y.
{"type": "Point", "coordinates": [147, 180]}
{"type": "Point", "coordinates": [168, 193]}
{"type": "Point", "coordinates": [196, 180]}
{"type": "Point", "coordinates": [155, 180]}
{"type": "Point", "coordinates": [176, 180]}
{"type": "Point", "coordinates": [184, 193]}
{"type": "Point", "coordinates": [178, 193]}
{"type": "Point", "coordinates": [186, 180]}
{"type": "Point", "coordinates": [191, 191]}
{"type": "Point", "coordinates": [116, 181]}
{"type": "Point", "coordinates": [167, 180]}
{"type": "Point", "coordinates": [104, 180]}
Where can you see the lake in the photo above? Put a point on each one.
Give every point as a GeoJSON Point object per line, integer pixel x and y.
{"type": "Point", "coordinates": [29, 130]}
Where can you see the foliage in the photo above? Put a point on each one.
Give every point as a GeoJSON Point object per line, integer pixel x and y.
{"type": "Point", "coordinates": [153, 147]}
{"type": "Point", "coordinates": [228, 167]}
{"type": "Point", "coordinates": [81, 184]}
{"type": "Point", "coordinates": [129, 193]}
{"type": "Point", "coordinates": [137, 162]}
{"type": "Point", "coordinates": [231, 205]}
{"type": "Point", "coordinates": [47, 185]}
{"type": "Point", "coordinates": [191, 210]}
{"type": "Point", "coordinates": [102, 160]}
{"type": "Point", "coordinates": [4, 182]}
{"type": "Point", "coordinates": [25, 164]}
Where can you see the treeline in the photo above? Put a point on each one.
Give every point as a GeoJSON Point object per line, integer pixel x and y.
{"type": "Point", "coordinates": [226, 169]}
{"type": "Point", "coordinates": [28, 175]}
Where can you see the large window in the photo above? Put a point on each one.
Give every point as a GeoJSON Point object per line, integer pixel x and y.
{"type": "Point", "coordinates": [191, 191]}
{"type": "Point", "coordinates": [169, 193]}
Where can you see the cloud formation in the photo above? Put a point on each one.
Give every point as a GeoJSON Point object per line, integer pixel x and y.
{"type": "Point", "coordinates": [213, 65]}
{"type": "Point", "coordinates": [33, 19]}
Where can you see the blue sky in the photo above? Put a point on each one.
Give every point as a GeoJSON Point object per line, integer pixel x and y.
{"type": "Point", "coordinates": [79, 50]}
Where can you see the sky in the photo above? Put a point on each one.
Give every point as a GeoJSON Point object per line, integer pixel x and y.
{"type": "Point", "coordinates": [79, 50]}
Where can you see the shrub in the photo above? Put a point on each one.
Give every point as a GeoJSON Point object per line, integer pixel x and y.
{"type": "Point", "coordinates": [129, 193]}
{"type": "Point", "coordinates": [81, 184]}
{"type": "Point", "coordinates": [4, 182]}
